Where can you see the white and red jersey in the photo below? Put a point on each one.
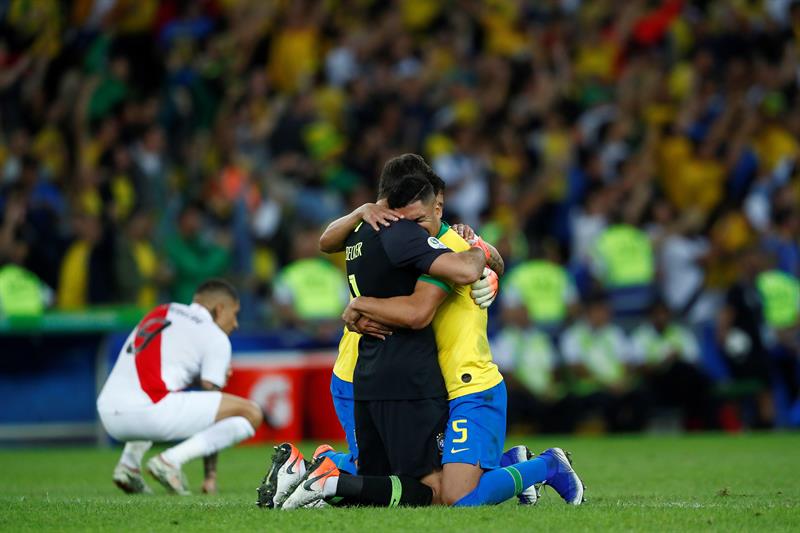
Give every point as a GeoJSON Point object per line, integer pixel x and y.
{"type": "Point", "coordinates": [172, 346]}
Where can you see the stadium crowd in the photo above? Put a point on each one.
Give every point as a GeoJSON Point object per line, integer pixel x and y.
{"type": "Point", "coordinates": [636, 163]}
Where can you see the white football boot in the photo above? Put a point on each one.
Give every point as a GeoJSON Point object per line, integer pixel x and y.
{"type": "Point", "coordinates": [130, 480]}
{"type": "Point", "coordinates": [171, 477]}
{"type": "Point", "coordinates": [285, 472]}
{"type": "Point", "coordinates": [311, 488]}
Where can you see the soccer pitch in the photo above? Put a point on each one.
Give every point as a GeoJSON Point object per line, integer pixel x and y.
{"type": "Point", "coordinates": [704, 482]}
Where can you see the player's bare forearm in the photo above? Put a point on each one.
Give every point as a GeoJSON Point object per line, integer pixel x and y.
{"type": "Point", "coordinates": [414, 311]}
{"type": "Point", "coordinates": [475, 261]}
{"type": "Point", "coordinates": [462, 268]}
{"type": "Point", "coordinates": [396, 312]}
{"type": "Point", "coordinates": [495, 261]}
{"type": "Point", "coordinates": [210, 465]}
{"type": "Point", "coordinates": [332, 239]}
{"type": "Point", "coordinates": [376, 215]}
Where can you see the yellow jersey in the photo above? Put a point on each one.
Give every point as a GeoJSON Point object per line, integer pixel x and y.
{"type": "Point", "coordinates": [460, 329]}
{"type": "Point", "coordinates": [348, 354]}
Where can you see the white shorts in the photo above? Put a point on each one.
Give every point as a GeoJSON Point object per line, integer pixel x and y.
{"type": "Point", "coordinates": [178, 416]}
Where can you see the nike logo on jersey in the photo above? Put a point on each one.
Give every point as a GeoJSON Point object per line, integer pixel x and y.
{"type": "Point", "coordinates": [310, 481]}
{"type": "Point", "coordinates": [453, 450]}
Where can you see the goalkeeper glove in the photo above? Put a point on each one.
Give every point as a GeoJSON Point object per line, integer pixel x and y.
{"type": "Point", "coordinates": [477, 242]}
{"type": "Point", "coordinates": [484, 291]}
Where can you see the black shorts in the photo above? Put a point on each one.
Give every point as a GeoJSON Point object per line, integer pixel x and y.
{"type": "Point", "coordinates": [400, 437]}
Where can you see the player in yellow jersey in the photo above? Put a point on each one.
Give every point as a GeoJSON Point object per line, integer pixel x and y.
{"type": "Point", "coordinates": [332, 241]}
{"type": "Point", "coordinates": [474, 435]}
{"type": "Point", "coordinates": [474, 375]}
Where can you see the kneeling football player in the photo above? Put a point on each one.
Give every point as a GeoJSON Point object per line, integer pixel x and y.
{"type": "Point", "coordinates": [475, 431]}
{"type": "Point", "coordinates": [143, 399]}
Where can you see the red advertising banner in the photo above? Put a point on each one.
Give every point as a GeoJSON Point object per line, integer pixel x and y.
{"type": "Point", "coordinates": [293, 389]}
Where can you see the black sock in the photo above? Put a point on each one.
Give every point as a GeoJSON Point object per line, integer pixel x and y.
{"type": "Point", "coordinates": [382, 491]}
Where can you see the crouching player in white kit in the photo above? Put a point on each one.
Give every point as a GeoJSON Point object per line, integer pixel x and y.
{"type": "Point", "coordinates": [143, 401]}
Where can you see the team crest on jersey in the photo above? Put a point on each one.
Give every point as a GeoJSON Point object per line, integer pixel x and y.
{"type": "Point", "coordinates": [440, 442]}
{"type": "Point", "coordinates": [436, 244]}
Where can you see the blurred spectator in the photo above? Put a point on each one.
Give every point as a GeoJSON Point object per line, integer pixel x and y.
{"type": "Point", "coordinates": [295, 51]}
{"type": "Point", "coordinates": [310, 293]}
{"type": "Point", "coordinates": [653, 141]}
{"type": "Point", "coordinates": [784, 241]}
{"type": "Point", "coordinates": [602, 363]}
{"type": "Point", "coordinates": [138, 271]}
{"type": "Point", "coordinates": [13, 246]}
{"type": "Point", "coordinates": [465, 174]}
{"type": "Point", "coordinates": [533, 374]}
{"type": "Point", "coordinates": [780, 295]}
{"type": "Point", "coordinates": [111, 89]}
{"type": "Point", "coordinates": [31, 234]}
{"type": "Point", "coordinates": [151, 164]}
{"type": "Point", "coordinates": [21, 292]}
{"type": "Point", "coordinates": [669, 360]}
{"type": "Point", "coordinates": [193, 256]}
{"type": "Point", "coordinates": [539, 290]}
{"type": "Point", "coordinates": [740, 333]}
{"type": "Point", "coordinates": [682, 251]}
{"type": "Point", "coordinates": [623, 261]}
{"type": "Point", "coordinates": [86, 269]}
{"type": "Point", "coordinates": [589, 223]}
{"type": "Point", "coordinates": [125, 185]}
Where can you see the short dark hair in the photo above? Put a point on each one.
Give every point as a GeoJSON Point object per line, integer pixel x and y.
{"type": "Point", "coordinates": [217, 285]}
{"type": "Point", "coordinates": [408, 190]}
{"type": "Point", "coordinates": [401, 166]}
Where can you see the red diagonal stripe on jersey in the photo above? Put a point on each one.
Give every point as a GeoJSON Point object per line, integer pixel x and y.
{"type": "Point", "coordinates": [147, 347]}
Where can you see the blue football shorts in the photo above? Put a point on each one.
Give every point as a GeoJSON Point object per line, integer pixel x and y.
{"type": "Point", "coordinates": [476, 429]}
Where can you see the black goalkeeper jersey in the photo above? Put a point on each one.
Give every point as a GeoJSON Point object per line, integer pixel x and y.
{"type": "Point", "coordinates": [383, 264]}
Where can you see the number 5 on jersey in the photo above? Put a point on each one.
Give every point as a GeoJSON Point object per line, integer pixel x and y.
{"type": "Point", "coordinates": [462, 431]}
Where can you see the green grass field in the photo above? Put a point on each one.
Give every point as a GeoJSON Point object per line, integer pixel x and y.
{"type": "Point", "coordinates": [710, 482]}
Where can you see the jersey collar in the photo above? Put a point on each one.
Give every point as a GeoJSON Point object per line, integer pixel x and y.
{"type": "Point", "coordinates": [202, 310]}
{"type": "Point", "coordinates": [443, 229]}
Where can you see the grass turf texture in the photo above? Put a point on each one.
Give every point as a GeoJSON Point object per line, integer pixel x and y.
{"type": "Point", "coordinates": [708, 482]}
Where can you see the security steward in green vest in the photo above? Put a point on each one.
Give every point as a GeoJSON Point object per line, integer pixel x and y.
{"type": "Point", "coordinates": [623, 262]}
{"type": "Point", "coordinates": [780, 299]}
{"type": "Point", "coordinates": [542, 288]}
{"type": "Point", "coordinates": [540, 291]}
{"type": "Point", "coordinates": [21, 292]}
{"type": "Point", "coordinates": [780, 294]}
{"type": "Point", "coordinates": [310, 292]}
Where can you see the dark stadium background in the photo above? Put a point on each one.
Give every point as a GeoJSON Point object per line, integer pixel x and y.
{"type": "Point", "coordinates": [621, 155]}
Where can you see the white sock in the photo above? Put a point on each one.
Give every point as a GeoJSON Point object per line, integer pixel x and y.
{"type": "Point", "coordinates": [330, 486]}
{"type": "Point", "coordinates": [133, 452]}
{"type": "Point", "coordinates": [220, 435]}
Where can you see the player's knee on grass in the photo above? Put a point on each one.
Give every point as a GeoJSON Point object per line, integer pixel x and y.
{"type": "Point", "coordinates": [451, 495]}
{"type": "Point", "coordinates": [458, 480]}
{"type": "Point", "coordinates": [231, 406]}
{"type": "Point", "coordinates": [434, 481]}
